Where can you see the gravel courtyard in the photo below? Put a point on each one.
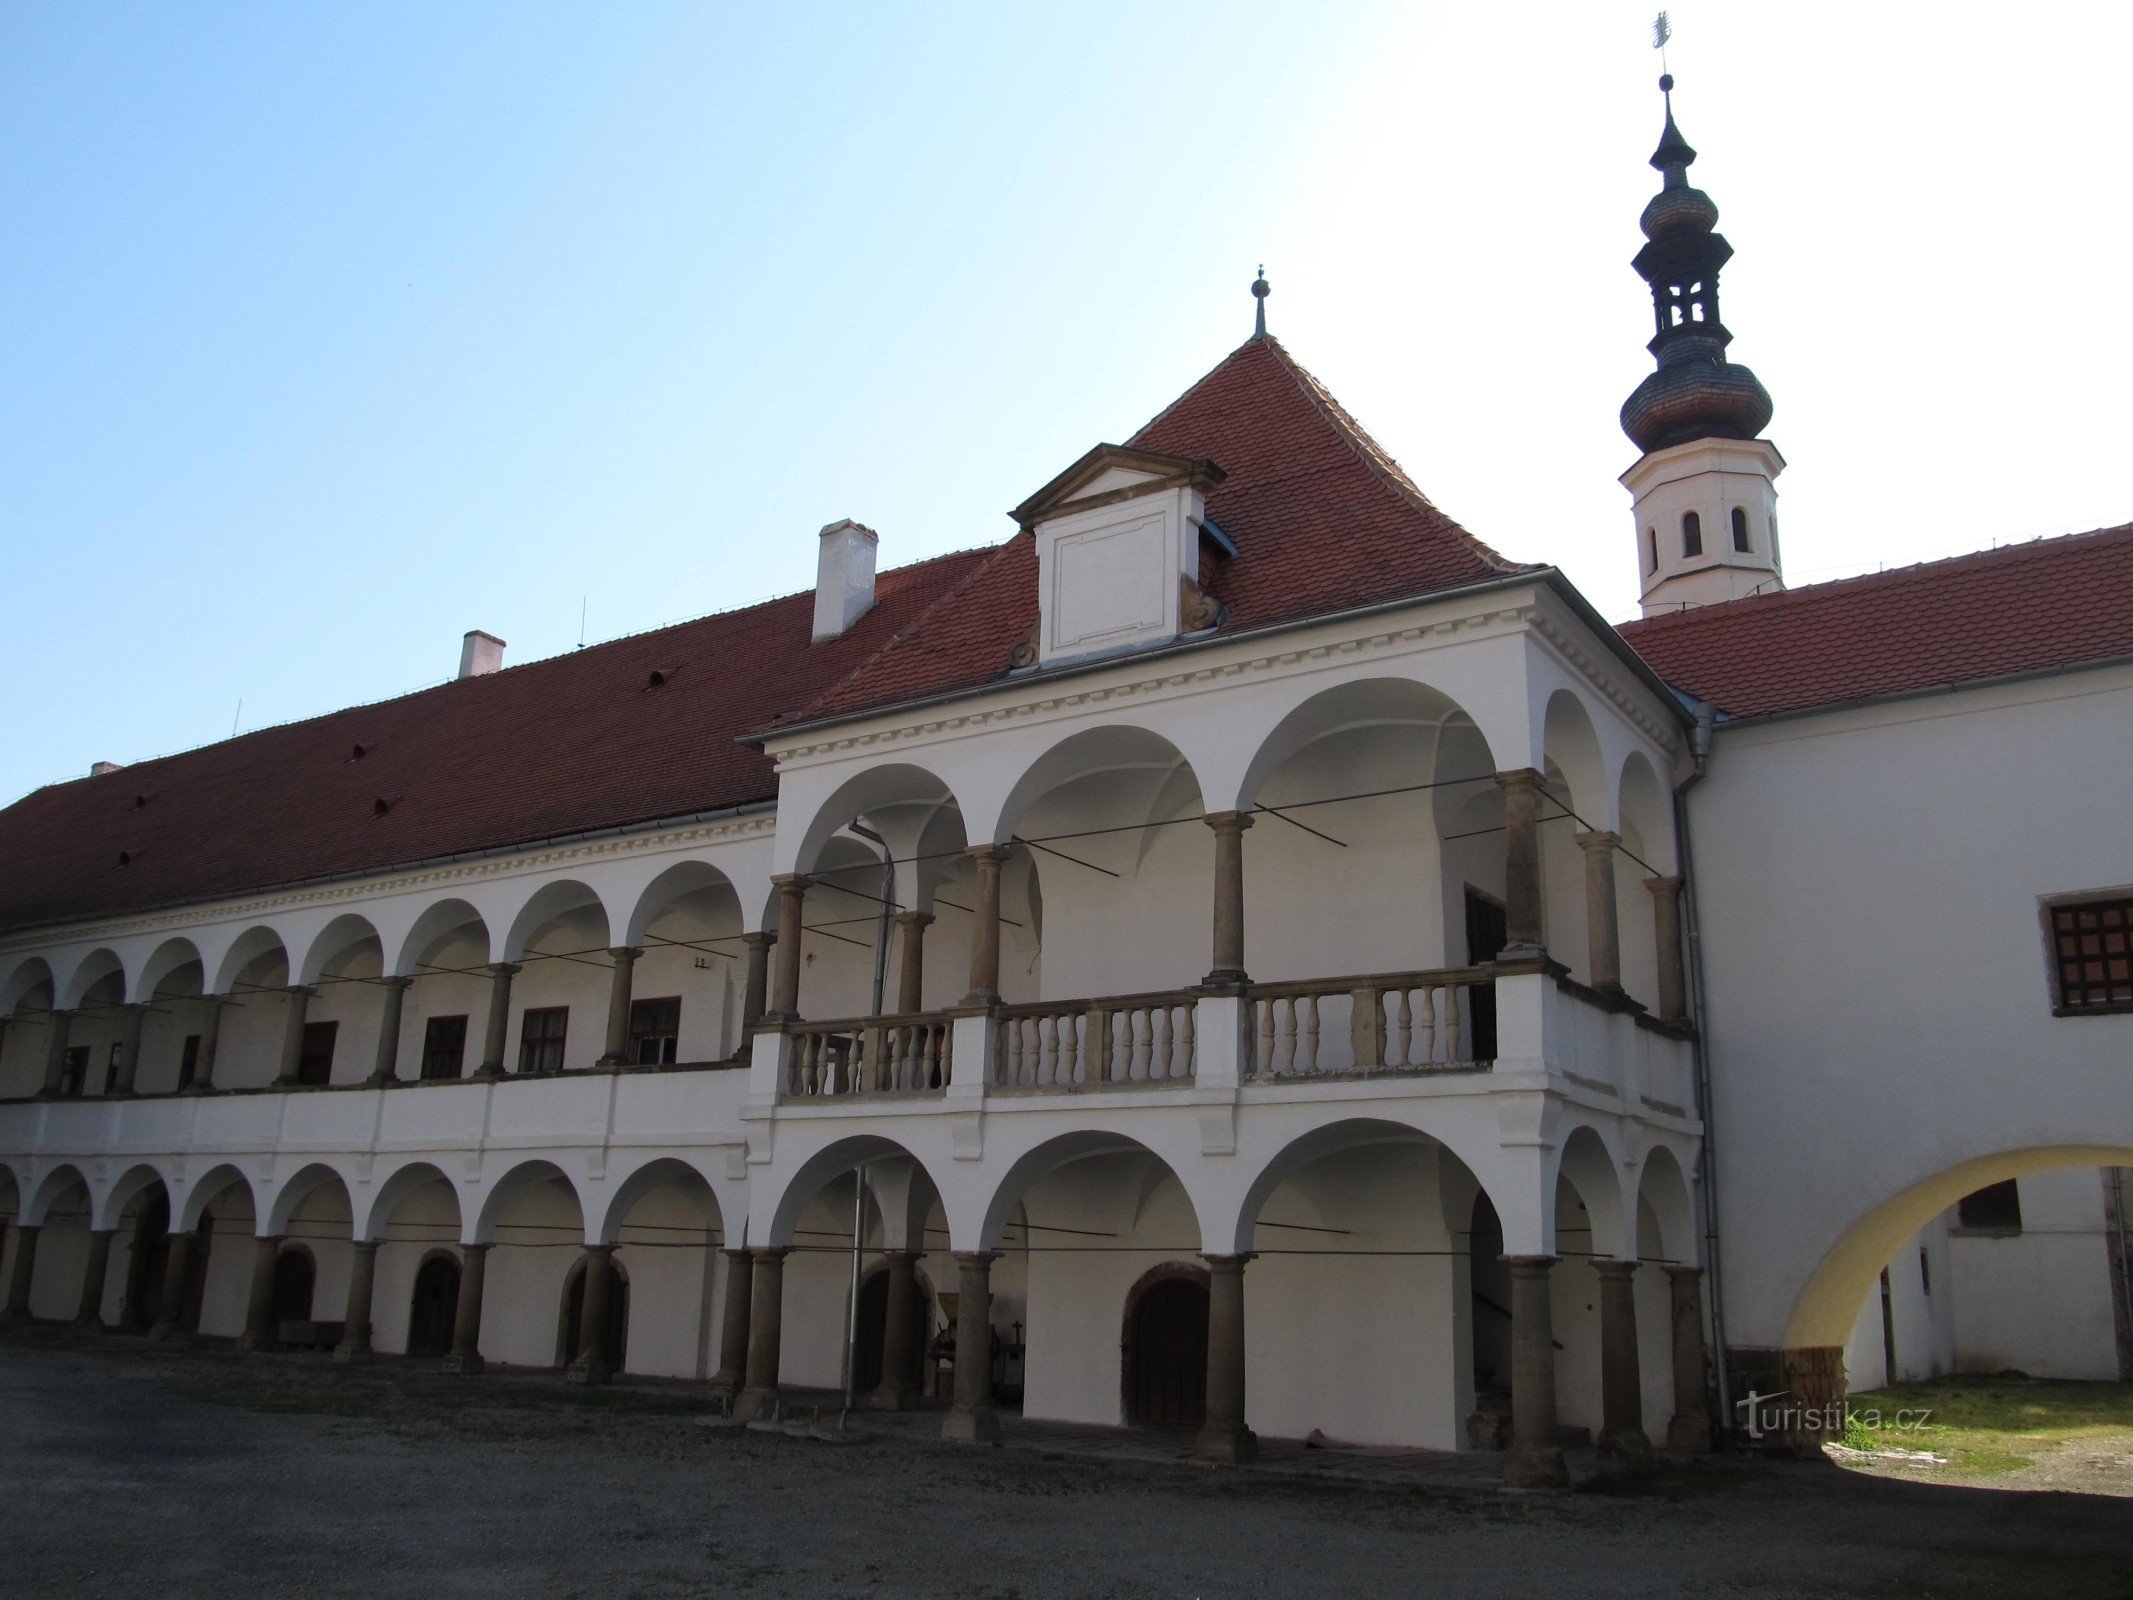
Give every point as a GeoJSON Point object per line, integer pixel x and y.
{"type": "Point", "coordinates": [129, 1469]}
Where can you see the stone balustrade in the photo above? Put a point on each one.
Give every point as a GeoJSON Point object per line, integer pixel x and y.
{"type": "Point", "coordinates": [1075, 1044]}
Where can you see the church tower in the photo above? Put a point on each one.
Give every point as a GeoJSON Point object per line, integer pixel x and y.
{"type": "Point", "coordinates": [1705, 490]}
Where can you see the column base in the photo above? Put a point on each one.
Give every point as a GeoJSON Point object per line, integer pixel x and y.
{"type": "Point", "coordinates": [466, 1366]}
{"type": "Point", "coordinates": [724, 1385]}
{"type": "Point", "coordinates": [893, 1397]}
{"type": "Point", "coordinates": [979, 998]}
{"type": "Point", "coordinates": [971, 1427]}
{"type": "Point", "coordinates": [756, 1404]}
{"type": "Point", "coordinates": [1226, 1447]}
{"type": "Point", "coordinates": [1226, 978]}
{"type": "Point", "coordinates": [375, 1081]}
{"type": "Point", "coordinates": [1536, 1469]}
{"type": "Point", "coordinates": [583, 1371]}
{"type": "Point", "coordinates": [1630, 1444]}
{"type": "Point", "coordinates": [1689, 1433]}
{"type": "Point", "coordinates": [347, 1351]}
{"type": "Point", "coordinates": [166, 1333]}
{"type": "Point", "coordinates": [198, 1088]}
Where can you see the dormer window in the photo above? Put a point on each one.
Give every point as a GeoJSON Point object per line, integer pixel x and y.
{"type": "Point", "coordinates": [1691, 534]}
{"type": "Point", "coordinates": [1740, 531]}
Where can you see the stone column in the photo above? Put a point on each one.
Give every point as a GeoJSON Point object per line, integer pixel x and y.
{"type": "Point", "coordinates": [619, 988]}
{"type": "Point", "coordinates": [465, 1358]}
{"type": "Point", "coordinates": [1666, 931]}
{"type": "Point", "coordinates": [1690, 1426]}
{"type": "Point", "coordinates": [498, 1027]}
{"type": "Point", "coordinates": [785, 989]}
{"type": "Point", "coordinates": [766, 1332]}
{"type": "Point", "coordinates": [1603, 935]}
{"type": "Point", "coordinates": [177, 1268]}
{"type": "Point", "coordinates": [129, 1051]}
{"type": "Point", "coordinates": [58, 1025]}
{"type": "Point", "coordinates": [355, 1322]}
{"type": "Point", "coordinates": [985, 926]}
{"type": "Point", "coordinates": [385, 1066]}
{"type": "Point", "coordinates": [898, 1390]}
{"type": "Point", "coordinates": [210, 1036]}
{"type": "Point", "coordinates": [755, 986]}
{"type": "Point", "coordinates": [971, 1419]}
{"type": "Point", "coordinates": [1621, 1380]}
{"type": "Point", "coordinates": [732, 1373]}
{"type": "Point", "coordinates": [911, 926]}
{"type": "Point", "coordinates": [292, 1033]}
{"type": "Point", "coordinates": [1536, 1457]}
{"type": "Point", "coordinates": [1224, 1439]}
{"type": "Point", "coordinates": [594, 1363]}
{"type": "Point", "coordinates": [91, 1315]}
{"type": "Point", "coordinates": [1521, 861]}
{"type": "Point", "coordinates": [259, 1329]}
{"type": "Point", "coordinates": [1229, 829]}
{"type": "Point", "coordinates": [18, 1283]}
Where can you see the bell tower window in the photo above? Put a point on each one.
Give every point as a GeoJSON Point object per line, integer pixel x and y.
{"type": "Point", "coordinates": [1740, 531]}
{"type": "Point", "coordinates": [1651, 549]}
{"type": "Point", "coordinates": [1691, 534]}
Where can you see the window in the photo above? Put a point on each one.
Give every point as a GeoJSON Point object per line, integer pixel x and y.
{"type": "Point", "coordinates": [74, 1070]}
{"type": "Point", "coordinates": [1740, 532]}
{"type": "Point", "coordinates": [2092, 956]}
{"type": "Point", "coordinates": [1925, 1272]}
{"type": "Point", "coordinates": [655, 1031]}
{"type": "Point", "coordinates": [1651, 549]}
{"type": "Point", "coordinates": [189, 1061]}
{"type": "Point", "coordinates": [540, 1040]}
{"type": "Point", "coordinates": [444, 1048]}
{"type": "Point", "coordinates": [314, 1063]}
{"type": "Point", "coordinates": [1996, 1208]}
{"type": "Point", "coordinates": [1691, 534]}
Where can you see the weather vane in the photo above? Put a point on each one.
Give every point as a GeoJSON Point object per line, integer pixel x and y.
{"type": "Point", "coordinates": [1662, 30]}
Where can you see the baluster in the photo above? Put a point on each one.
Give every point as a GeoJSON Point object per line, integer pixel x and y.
{"type": "Point", "coordinates": [1188, 1042]}
{"type": "Point", "coordinates": [1096, 1060]}
{"type": "Point", "coordinates": [1164, 1063]}
{"type": "Point", "coordinates": [1050, 1075]}
{"type": "Point", "coordinates": [1070, 1047]}
{"type": "Point", "coordinates": [1288, 1035]}
{"type": "Point", "coordinates": [810, 1064]}
{"type": "Point", "coordinates": [1451, 1022]}
{"type": "Point", "coordinates": [1426, 1055]}
{"type": "Point", "coordinates": [944, 1057]}
{"type": "Point", "coordinates": [1404, 1027]}
{"type": "Point", "coordinates": [1310, 1033]}
{"type": "Point", "coordinates": [1143, 1037]}
{"type": "Point", "coordinates": [1264, 1064]}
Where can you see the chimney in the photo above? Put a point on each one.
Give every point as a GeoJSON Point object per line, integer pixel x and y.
{"type": "Point", "coordinates": [102, 767]}
{"type": "Point", "coordinates": [844, 577]}
{"type": "Point", "coordinates": [480, 654]}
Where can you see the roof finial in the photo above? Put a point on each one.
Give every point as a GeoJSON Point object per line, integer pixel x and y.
{"type": "Point", "coordinates": [1260, 290]}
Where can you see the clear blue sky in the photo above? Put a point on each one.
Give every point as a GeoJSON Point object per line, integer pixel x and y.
{"type": "Point", "coordinates": [329, 331]}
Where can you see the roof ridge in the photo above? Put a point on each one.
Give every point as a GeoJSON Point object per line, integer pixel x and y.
{"type": "Point", "coordinates": [2028, 549]}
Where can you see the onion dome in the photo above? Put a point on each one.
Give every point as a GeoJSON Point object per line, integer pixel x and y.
{"type": "Point", "coordinates": [1696, 393]}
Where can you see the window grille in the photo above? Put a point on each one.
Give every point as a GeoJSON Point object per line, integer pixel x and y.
{"type": "Point", "coordinates": [2092, 955]}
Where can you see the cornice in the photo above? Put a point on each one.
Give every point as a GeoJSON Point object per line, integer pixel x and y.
{"type": "Point", "coordinates": [391, 882]}
{"type": "Point", "coordinates": [1599, 668]}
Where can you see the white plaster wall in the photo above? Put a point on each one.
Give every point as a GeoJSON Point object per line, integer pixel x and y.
{"type": "Point", "coordinates": [227, 1288]}
{"type": "Point", "coordinates": [62, 1255]}
{"type": "Point", "coordinates": [667, 1245]}
{"type": "Point", "coordinates": [2039, 1301]}
{"type": "Point", "coordinates": [1922, 1299]}
{"type": "Point", "coordinates": [324, 1225]}
{"type": "Point", "coordinates": [539, 1236]}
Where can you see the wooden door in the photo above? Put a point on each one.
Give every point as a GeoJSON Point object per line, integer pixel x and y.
{"type": "Point", "coordinates": [1166, 1355]}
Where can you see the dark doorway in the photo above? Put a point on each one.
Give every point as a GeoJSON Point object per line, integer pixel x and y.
{"type": "Point", "coordinates": [196, 1274]}
{"type": "Point", "coordinates": [1166, 1353]}
{"type": "Point", "coordinates": [150, 1260]}
{"type": "Point", "coordinates": [873, 1332]}
{"type": "Point", "coordinates": [293, 1278]}
{"type": "Point", "coordinates": [436, 1306]}
{"type": "Point", "coordinates": [618, 1315]}
{"type": "Point", "coordinates": [1489, 1281]}
{"type": "Point", "coordinates": [1487, 930]}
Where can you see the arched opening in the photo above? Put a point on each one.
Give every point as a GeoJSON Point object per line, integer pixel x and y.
{"type": "Point", "coordinates": [295, 1278]}
{"type": "Point", "coordinates": [414, 1218]}
{"type": "Point", "coordinates": [1740, 531]}
{"type": "Point", "coordinates": [665, 1223]}
{"type": "Point", "coordinates": [533, 1218]}
{"type": "Point", "coordinates": [570, 1336]}
{"type": "Point", "coordinates": [147, 1226]}
{"type": "Point", "coordinates": [1164, 1348]}
{"type": "Point", "coordinates": [1691, 534]}
{"type": "Point", "coordinates": [688, 984]}
{"type": "Point", "coordinates": [434, 1305]}
{"type": "Point", "coordinates": [874, 1329]}
{"type": "Point", "coordinates": [446, 952]}
{"type": "Point", "coordinates": [560, 940]}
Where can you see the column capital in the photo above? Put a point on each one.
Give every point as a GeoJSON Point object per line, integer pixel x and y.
{"type": "Point", "coordinates": [762, 939]}
{"type": "Point", "coordinates": [791, 880]}
{"type": "Point", "coordinates": [1520, 778]}
{"type": "Point", "coordinates": [102, 1233]}
{"type": "Point", "coordinates": [989, 852]}
{"type": "Point", "coordinates": [1663, 884]}
{"type": "Point", "coordinates": [626, 952]}
{"type": "Point", "coordinates": [1614, 1267]}
{"type": "Point", "coordinates": [1597, 840]}
{"type": "Point", "coordinates": [397, 980]}
{"type": "Point", "coordinates": [976, 1258]}
{"type": "Point", "coordinates": [1228, 821]}
{"type": "Point", "coordinates": [735, 1252]}
{"type": "Point", "coordinates": [1530, 1266]}
{"type": "Point", "coordinates": [1681, 1274]}
{"type": "Point", "coordinates": [479, 1247]}
{"type": "Point", "coordinates": [1228, 1263]}
{"type": "Point", "coordinates": [502, 969]}
{"type": "Point", "coordinates": [601, 1249]}
{"type": "Point", "coordinates": [903, 1255]}
{"type": "Point", "coordinates": [769, 1252]}
{"type": "Point", "coordinates": [914, 919]}
{"type": "Point", "coordinates": [305, 990]}
{"type": "Point", "coordinates": [370, 1245]}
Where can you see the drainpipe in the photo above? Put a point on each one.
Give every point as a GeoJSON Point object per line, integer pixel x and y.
{"type": "Point", "coordinates": [1700, 1056]}
{"type": "Point", "coordinates": [882, 915]}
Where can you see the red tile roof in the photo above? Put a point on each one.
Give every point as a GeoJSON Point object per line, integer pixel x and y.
{"type": "Point", "coordinates": [576, 742]}
{"type": "Point", "coordinates": [1322, 517]}
{"type": "Point", "coordinates": [2030, 607]}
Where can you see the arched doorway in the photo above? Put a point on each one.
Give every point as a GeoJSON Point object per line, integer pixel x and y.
{"type": "Point", "coordinates": [150, 1259]}
{"type": "Point", "coordinates": [874, 1328]}
{"type": "Point", "coordinates": [618, 1316]}
{"type": "Point", "coordinates": [1166, 1349]}
{"type": "Point", "coordinates": [294, 1276]}
{"type": "Point", "coordinates": [435, 1306]}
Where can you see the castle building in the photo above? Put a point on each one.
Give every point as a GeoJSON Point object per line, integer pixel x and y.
{"type": "Point", "coordinates": [1241, 955]}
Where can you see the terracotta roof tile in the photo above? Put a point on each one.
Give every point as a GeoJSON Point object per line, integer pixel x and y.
{"type": "Point", "coordinates": [2029, 607]}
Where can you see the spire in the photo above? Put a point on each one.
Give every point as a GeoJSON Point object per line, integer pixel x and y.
{"type": "Point", "coordinates": [1696, 393]}
{"type": "Point", "coordinates": [1260, 290]}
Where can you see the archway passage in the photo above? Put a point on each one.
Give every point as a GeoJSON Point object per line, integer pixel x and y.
{"type": "Point", "coordinates": [148, 1264]}
{"type": "Point", "coordinates": [295, 1276]}
{"type": "Point", "coordinates": [1166, 1352]}
{"type": "Point", "coordinates": [618, 1316]}
{"type": "Point", "coordinates": [874, 1331]}
{"type": "Point", "coordinates": [435, 1302]}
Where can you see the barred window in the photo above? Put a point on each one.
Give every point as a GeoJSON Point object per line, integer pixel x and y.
{"type": "Point", "coordinates": [540, 1043]}
{"type": "Point", "coordinates": [2092, 955]}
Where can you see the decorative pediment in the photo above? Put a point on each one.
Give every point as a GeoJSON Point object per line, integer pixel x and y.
{"type": "Point", "coordinates": [1109, 474]}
